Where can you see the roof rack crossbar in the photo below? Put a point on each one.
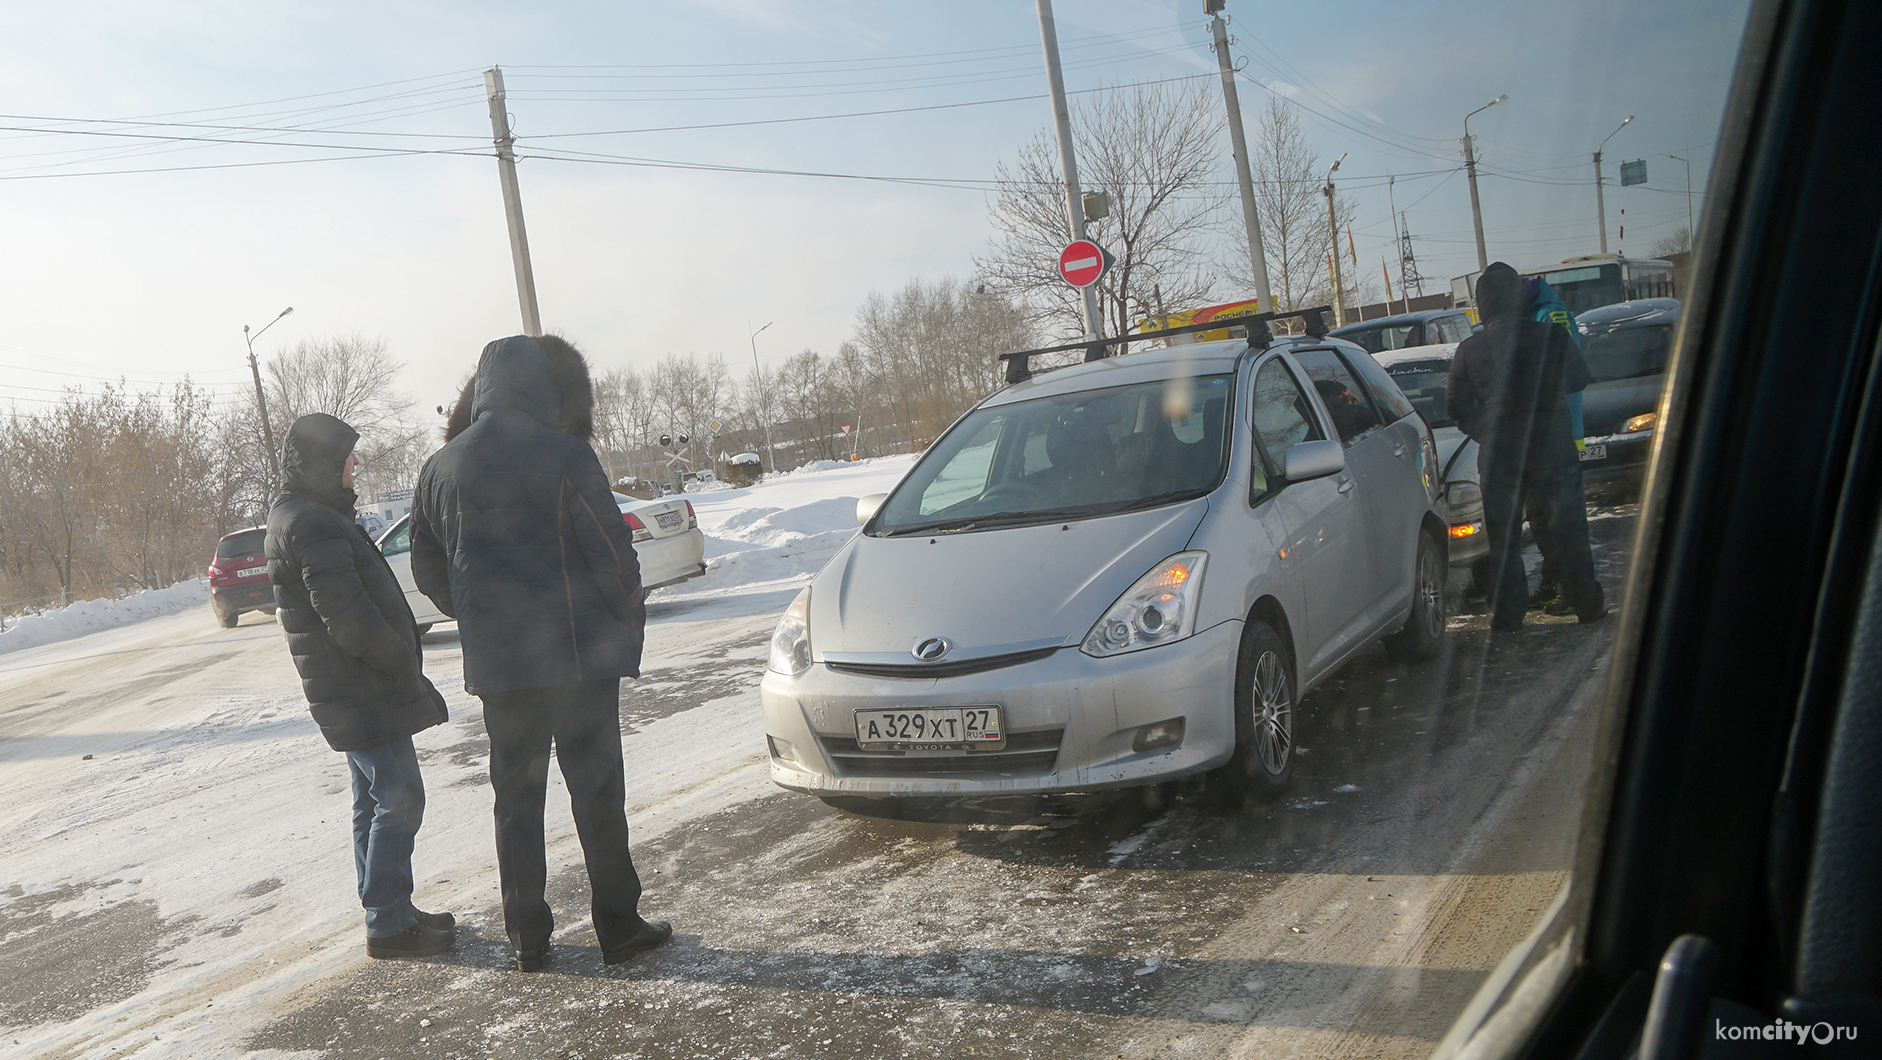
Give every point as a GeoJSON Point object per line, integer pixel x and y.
{"type": "Point", "coordinates": [1019, 368]}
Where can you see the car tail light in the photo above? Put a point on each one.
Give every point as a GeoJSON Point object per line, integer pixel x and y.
{"type": "Point", "coordinates": [215, 572]}
{"type": "Point", "coordinates": [692, 517]}
{"type": "Point", "coordinates": [641, 533]}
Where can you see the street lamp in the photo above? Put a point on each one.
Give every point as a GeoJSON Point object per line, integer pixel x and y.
{"type": "Point", "coordinates": [764, 404]}
{"type": "Point", "coordinates": [1470, 171]}
{"type": "Point", "coordinates": [267, 431]}
{"type": "Point", "coordinates": [1333, 244]}
{"type": "Point", "coordinates": [1690, 234]}
{"type": "Point", "coordinates": [1600, 204]}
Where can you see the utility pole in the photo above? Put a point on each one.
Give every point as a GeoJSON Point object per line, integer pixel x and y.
{"type": "Point", "coordinates": [1470, 171]}
{"type": "Point", "coordinates": [1333, 244]}
{"type": "Point", "coordinates": [261, 402]}
{"type": "Point", "coordinates": [1600, 203]}
{"type": "Point", "coordinates": [512, 201]}
{"type": "Point", "coordinates": [1251, 222]}
{"type": "Point", "coordinates": [1062, 125]}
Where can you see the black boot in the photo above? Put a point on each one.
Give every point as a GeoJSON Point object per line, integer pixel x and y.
{"type": "Point", "coordinates": [415, 941]}
{"type": "Point", "coordinates": [649, 935]}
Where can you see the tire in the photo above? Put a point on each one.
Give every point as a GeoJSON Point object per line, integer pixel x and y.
{"type": "Point", "coordinates": [224, 617]}
{"type": "Point", "coordinates": [1423, 633]}
{"type": "Point", "coordinates": [1265, 717]}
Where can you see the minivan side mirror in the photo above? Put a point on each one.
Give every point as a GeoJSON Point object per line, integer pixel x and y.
{"type": "Point", "coordinates": [1310, 460]}
{"type": "Point", "coordinates": [866, 506]}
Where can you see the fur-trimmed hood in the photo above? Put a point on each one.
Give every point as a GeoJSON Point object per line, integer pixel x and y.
{"type": "Point", "coordinates": [545, 378]}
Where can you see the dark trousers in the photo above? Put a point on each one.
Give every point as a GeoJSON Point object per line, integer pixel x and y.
{"type": "Point", "coordinates": [583, 721]}
{"type": "Point", "coordinates": [1556, 493]}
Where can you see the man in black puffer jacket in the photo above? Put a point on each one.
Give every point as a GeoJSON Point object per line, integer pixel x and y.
{"type": "Point", "coordinates": [1509, 389]}
{"type": "Point", "coordinates": [354, 642]}
{"type": "Point", "coordinates": [515, 534]}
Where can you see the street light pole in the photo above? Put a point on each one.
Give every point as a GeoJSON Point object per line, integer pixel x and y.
{"type": "Point", "coordinates": [1689, 232]}
{"type": "Point", "coordinates": [1333, 244]}
{"type": "Point", "coordinates": [764, 403]}
{"type": "Point", "coordinates": [1600, 203]}
{"type": "Point", "coordinates": [261, 402]}
{"type": "Point", "coordinates": [1470, 171]}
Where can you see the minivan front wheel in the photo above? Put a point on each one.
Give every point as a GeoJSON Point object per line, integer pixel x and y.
{"type": "Point", "coordinates": [1424, 627]}
{"type": "Point", "coordinates": [1264, 714]}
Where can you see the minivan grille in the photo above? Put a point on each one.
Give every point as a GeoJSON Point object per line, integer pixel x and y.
{"type": "Point", "coordinates": [1026, 754]}
{"type": "Point", "coordinates": [942, 669]}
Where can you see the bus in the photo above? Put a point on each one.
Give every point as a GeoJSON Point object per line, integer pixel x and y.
{"type": "Point", "coordinates": [1595, 280]}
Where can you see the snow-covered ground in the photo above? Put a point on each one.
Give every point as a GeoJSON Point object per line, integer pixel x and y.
{"type": "Point", "coordinates": [168, 808]}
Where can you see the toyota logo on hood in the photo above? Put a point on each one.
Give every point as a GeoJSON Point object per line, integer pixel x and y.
{"type": "Point", "coordinates": [933, 649]}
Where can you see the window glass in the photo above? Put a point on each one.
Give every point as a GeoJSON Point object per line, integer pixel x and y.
{"type": "Point", "coordinates": [1069, 456]}
{"type": "Point", "coordinates": [1282, 414]}
{"type": "Point", "coordinates": [1626, 353]}
{"type": "Point", "coordinates": [248, 544]}
{"type": "Point", "coordinates": [1392, 404]}
{"type": "Point", "coordinates": [1425, 384]}
{"type": "Point", "coordinates": [1345, 400]}
{"type": "Point", "coordinates": [399, 540]}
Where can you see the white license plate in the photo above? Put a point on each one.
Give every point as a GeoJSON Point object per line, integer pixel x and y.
{"type": "Point", "coordinates": [1594, 451]}
{"type": "Point", "coordinates": [249, 572]}
{"type": "Point", "coordinates": [931, 730]}
{"type": "Point", "coordinates": [668, 520]}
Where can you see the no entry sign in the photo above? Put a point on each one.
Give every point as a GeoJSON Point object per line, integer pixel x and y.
{"type": "Point", "coordinates": [1081, 263]}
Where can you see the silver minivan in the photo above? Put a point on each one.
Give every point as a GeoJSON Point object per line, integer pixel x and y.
{"type": "Point", "coordinates": [1113, 574]}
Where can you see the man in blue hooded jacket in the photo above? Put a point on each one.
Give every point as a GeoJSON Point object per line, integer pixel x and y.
{"type": "Point", "coordinates": [1547, 307]}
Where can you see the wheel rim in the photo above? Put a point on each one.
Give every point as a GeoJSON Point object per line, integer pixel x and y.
{"type": "Point", "coordinates": [1431, 594]}
{"type": "Point", "coordinates": [1274, 714]}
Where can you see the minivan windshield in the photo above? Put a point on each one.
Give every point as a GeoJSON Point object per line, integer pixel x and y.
{"type": "Point", "coordinates": [1071, 455]}
{"type": "Point", "coordinates": [1425, 384]}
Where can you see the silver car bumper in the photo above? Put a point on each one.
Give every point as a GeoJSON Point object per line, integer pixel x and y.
{"type": "Point", "coordinates": [667, 560]}
{"type": "Point", "coordinates": [1070, 720]}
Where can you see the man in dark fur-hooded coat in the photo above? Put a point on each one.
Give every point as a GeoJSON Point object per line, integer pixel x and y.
{"type": "Point", "coordinates": [516, 534]}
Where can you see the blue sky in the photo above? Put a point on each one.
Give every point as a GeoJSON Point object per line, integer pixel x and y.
{"type": "Point", "coordinates": [152, 274]}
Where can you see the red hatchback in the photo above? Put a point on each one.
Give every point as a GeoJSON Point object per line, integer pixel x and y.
{"type": "Point", "coordinates": [238, 576]}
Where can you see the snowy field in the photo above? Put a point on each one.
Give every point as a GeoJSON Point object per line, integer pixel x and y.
{"type": "Point", "coordinates": [174, 832]}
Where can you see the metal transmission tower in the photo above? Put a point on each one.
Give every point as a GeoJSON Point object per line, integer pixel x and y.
{"type": "Point", "coordinates": [1408, 274]}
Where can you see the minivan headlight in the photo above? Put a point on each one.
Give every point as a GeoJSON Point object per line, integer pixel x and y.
{"type": "Point", "coordinates": [1462, 494]}
{"type": "Point", "coordinates": [790, 642]}
{"type": "Point", "coordinates": [1159, 609]}
{"type": "Point", "coordinates": [1643, 422]}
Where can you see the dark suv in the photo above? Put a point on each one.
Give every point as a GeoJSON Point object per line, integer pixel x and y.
{"type": "Point", "coordinates": [238, 576]}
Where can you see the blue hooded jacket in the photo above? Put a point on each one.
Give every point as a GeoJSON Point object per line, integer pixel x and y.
{"type": "Point", "coordinates": [1547, 306]}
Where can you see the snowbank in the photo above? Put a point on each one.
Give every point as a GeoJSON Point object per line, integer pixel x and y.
{"type": "Point", "coordinates": [788, 525]}
{"type": "Point", "coordinates": [90, 616]}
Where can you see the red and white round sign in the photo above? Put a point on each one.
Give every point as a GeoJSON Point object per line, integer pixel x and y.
{"type": "Point", "coordinates": [1081, 263]}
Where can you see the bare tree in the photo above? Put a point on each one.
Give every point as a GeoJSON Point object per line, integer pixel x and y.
{"type": "Point", "coordinates": [1294, 234]}
{"type": "Point", "coordinates": [931, 352]}
{"type": "Point", "coordinates": [1680, 242]}
{"type": "Point", "coordinates": [353, 378]}
{"type": "Point", "coordinates": [1154, 150]}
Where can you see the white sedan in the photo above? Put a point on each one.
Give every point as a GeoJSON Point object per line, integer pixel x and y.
{"type": "Point", "coordinates": [667, 541]}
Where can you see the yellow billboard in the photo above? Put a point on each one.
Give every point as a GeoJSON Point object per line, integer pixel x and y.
{"type": "Point", "coordinates": [1226, 311]}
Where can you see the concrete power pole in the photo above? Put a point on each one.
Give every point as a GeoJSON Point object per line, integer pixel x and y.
{"type": "Point", "coordinates": [1257, 257]}
{"type": "Point", "coordinates": [1470, 172]}
{"type": "Point", "coordinates": [512, 201]}
{"type": "Point", "coordinates": [1062, 124]}
{"type": "Point", "coordinates": [1600, 202]}
{"type": "Point", "coordinates": [1333, 244]}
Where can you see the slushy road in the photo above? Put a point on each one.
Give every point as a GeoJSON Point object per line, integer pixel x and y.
{"type": "Point", "coordinates": [177, 877]}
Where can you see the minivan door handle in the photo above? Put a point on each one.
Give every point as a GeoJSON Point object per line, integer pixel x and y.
{"type": "Point", "coordinates": [1399, 449]}
{"type": "Point", "coordinates": [1345, 483]}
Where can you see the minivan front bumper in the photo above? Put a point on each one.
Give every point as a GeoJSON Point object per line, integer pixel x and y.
{"type": "Point", "coordinates": [1070, 721]}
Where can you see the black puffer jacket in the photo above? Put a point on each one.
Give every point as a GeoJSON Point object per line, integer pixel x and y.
{"type": "Point", "coordinates": [516, 534]}
{"type": "Point", "coordinates": [347, 623]}
{"type": "Point", "coordinates": [1510, 382]}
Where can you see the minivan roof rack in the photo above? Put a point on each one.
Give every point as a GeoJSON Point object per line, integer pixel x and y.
{"type": "Point", "coordinates": [1019, 366]}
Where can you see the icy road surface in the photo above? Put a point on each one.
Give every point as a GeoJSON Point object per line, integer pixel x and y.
{"type": "Point", "coordinates": [177, 877]}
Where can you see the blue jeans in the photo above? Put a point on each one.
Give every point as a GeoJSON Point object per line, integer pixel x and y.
{"type": "Point", "coordinates": [388, 807]}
